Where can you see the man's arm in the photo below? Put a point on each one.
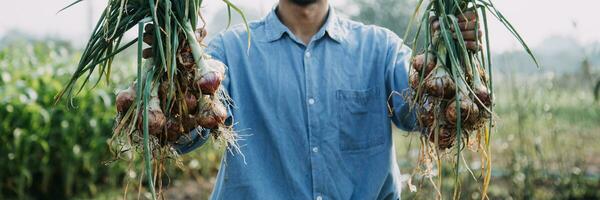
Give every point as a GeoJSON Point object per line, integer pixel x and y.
{"type": "Point", "coordinates": [396, 84]}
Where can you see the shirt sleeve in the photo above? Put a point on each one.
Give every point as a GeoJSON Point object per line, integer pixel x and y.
{"type": "Point", "coordinates": [398, 61]}
{"type": "Point", "coordinates": [194, 139]}
{"type": "Point", "coordinates": [198, 136]}
{"type": "Point", "coordinates": [216, 49]}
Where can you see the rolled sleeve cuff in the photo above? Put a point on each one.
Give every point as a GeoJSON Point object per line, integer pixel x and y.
{"type": "Point", "coordinates": [193, 140]}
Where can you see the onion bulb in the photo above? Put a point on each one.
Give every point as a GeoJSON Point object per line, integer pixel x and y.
{"type": "Point", "coordinates": [439, 83]}
{"type": "Point", "coordinates": [446, 137]}
{"type": "Point", "coordinates": [191, 102]}
{"type": "Point", "coordinates": [185, 58]}
{"type": "Point", "coordinates": [426, 113]}
{"type": "Point", "coordinates": [212, 113]}
{"type": "Point", "coordinates": [174, 129]}
{"type": "Point", "coordinates": [469, 112]}
{"type": "Point", "coordinates": [156, 117]}
{"type": "Point", "coordinates": [189, 122]}
{"type": "Point", "coordinates": [414, 79]}
{"type": "Point", "coordinates": [480, 90]}
{"type": "Point", "coordinates": [419, 61]}
{"type": "Point", "coordinates": [124, 99]}
{"type": "Point", "coordinates": [210, 76]}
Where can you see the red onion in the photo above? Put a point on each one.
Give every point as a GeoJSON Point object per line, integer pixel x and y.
{"type": "Point", "coordinates": [191, 102]}
{"type": "Point", "coordinates": [174, 129]}
{"type": "Point", "coordinates": [124, 99]}
{"type": "Point", "coordinates": [189, 122]}
{"type": "Point", "coordinates": [469, 113]}
{"type": "Point", "coordinates": [419, 61]}
{"type": "Point", "coordinates": [210, 77]}
{"type": "Point", "coordinates": [446, 136]}
{"type": "Point", "coordinates": [439, 83]}
{"type": "Point", "coordinates": [414, 79]}
{"type": "Point", "coordinates": [212, 114]}
{"type": "Point", "coordinates": [156, 118]}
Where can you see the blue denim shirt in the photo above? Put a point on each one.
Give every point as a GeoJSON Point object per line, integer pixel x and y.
{"type": "Point", "coordinates": [316, 116]}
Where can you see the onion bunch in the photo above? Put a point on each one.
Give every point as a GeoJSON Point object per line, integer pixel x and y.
{"type": "Point", "coordinates": [451, 85]}
{"type": "Point", "coordinates": [177, 90]}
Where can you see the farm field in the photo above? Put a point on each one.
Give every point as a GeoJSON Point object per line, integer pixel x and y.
{"type": "Point", "coordinates": [544, 141]}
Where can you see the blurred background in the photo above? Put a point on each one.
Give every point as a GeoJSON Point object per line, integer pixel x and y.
{"type": "Point", "coordinates": [545, 145]}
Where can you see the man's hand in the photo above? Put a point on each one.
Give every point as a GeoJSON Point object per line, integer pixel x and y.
{"type": "Point", "coordinates": [467, 23]}
{"type": "Point", "coordinates": [148, 38]}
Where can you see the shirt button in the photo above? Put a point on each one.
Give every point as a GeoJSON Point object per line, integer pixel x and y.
{"type": "Point", "coordinates": [319, 197]}
{"type": "Point", "coordinates": [315, 149]}
{"type": "Point", "coordinates": [307, 54]}
{"type": "Point", "coordinates": [311, 101]}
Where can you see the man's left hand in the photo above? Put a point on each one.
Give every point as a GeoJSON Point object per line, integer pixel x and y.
{"type": "Point", "coordinates": [469, 28]}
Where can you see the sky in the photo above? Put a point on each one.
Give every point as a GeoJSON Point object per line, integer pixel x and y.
{"type": "Point", "coordinates": [536, 20]}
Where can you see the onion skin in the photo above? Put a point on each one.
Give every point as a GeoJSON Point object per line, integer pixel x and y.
{"type": "Point", "coordinates": [210, 82]}
{"type": "Point", "coordinates": [163, 91]}
{"type": "Point", "coordinates": [210, 77]}
{"type": "Point", "coordinates": [174, 130]}
{"type": "Point", "coordinates": [446, 137]}
{"type": "Point", "coordinates": [125, 99]}
{"type": "Point", "coordinates": [469, 112]}
{"type": "Point", "coordinates": [439, 83]}
{"type": "Point", "coordinates": [413, 79]}
{"type": "Point", "coordinates": [426, 113]}
{"type": "Point", "coordinates": [186, 60]}
{"type": "Point", "coordinates": [483, 94]}
{"type": "Point", "coordinates": [212, 114]}
{"type": "Point", "coordinates": [191, 102]}
{"type": "Point", "coordinates": [426, 119]}
{"type": "Point", "coordinates": [419, 61]}
{"type": "Point", "coordinates": [156, 121]}
{"type": "Point", "coordinates": [156, 117]}
{"type": "Point", "coordinates": [479, 89]}
{"type": "Point", "coordinates": [189, 123]}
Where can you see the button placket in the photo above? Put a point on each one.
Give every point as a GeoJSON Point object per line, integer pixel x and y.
{"type": "Point", "coordinates": [309, 102]}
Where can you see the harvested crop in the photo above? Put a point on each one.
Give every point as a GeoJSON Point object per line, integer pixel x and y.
{"type": "Point", "coordinates": [451, 84]}
{"type": "Point", "coordinates": [445, 137]}
{"type": "Point", "coordinates": [209, 78]}
{"type": "Point", "coordinates": [212, 113]}
{"type": "Point", "coordinates": [171, 86]}
{"type": "Point", "coordinates": [125, 99]}
{"type": "Point", "coordinates": [156, 117]}
{"type": "Point", "coordinates": [419, 62]}
{"type": "Point", "coordinates": [439, 83]}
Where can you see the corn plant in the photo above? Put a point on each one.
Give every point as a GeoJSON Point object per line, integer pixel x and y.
{"type": "Point", "coordinates": [51, 150]}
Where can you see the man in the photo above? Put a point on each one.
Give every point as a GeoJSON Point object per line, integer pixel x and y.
{"type": "Point", "coordinates": [312, 93]}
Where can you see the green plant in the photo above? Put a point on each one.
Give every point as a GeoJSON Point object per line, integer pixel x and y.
{"type": "Point", "coordinates": [51, 151]}
{"type": "Point", "coordinates": [453, 87]}
{"type": "Point", "coordinates": [160, 106]}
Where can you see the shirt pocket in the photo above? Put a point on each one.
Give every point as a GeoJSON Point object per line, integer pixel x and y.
{"type": "Point", "coordinates": [359, 122]}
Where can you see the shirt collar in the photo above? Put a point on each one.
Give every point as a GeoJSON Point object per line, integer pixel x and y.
{"type": "Point", "coordinates": [275, 28]}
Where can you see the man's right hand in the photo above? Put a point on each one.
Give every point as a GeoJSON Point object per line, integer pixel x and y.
{"type": "Point", "coordinates": [148, 38]}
